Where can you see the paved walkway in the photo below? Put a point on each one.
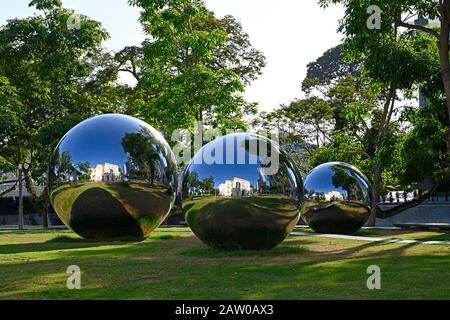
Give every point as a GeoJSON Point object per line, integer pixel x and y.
{"type": "Point", "coordinates": [370, 239]}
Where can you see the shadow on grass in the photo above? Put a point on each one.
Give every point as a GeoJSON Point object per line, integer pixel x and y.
{"type": "Point", "coordinates": [434, 235]}
{"type": "Point", "coordinates": [44, 247]}
{"type": "Point", "coordinates": [67, 242]}
{"type": "Point", "coordinates": [270, 279]}
{"type": "Point", "coordinates": [163, 270]}
{"type": "Point", "coordinates": [61, 242]}
{"type": "Point", "coordinates": [153, 236]}
{"type": "Point", "coordinates": [32, 231]}
{"type": "Point", "coordinates": [423, 235]}
{"type": "Point", "coordinates": [207, 252]}
{"type": "Point", "coordinates": [163, 236]}
{"type": "Point", "coordinates": [102, 241]}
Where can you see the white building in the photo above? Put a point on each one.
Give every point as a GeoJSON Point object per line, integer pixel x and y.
{"type": "Point", "coordinates": [235, 187]}
{"type": "Point", "coordinates": [334, 196]}
{"type": "Point", "coordinates": [105, 172]}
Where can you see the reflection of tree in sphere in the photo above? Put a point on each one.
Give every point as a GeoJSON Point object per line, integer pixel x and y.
{"type": "Point", "coordinates": [112, 176]}
{"type": "Point", "coordinates": [337, 199]}
{"type": "Point", "coordinates": [236, 202]}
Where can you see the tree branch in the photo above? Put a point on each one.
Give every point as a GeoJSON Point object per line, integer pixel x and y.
{"type": "Point", "coordinates": [135, 75]}
{"type": "Point", "coordinates": [8, 181]}
{"type": "Point", "coordinates": [8, 190]}
{"type": "Point", "coordinates": [384, 214]}
{"type": "Point", "coordinates": [400, 23]}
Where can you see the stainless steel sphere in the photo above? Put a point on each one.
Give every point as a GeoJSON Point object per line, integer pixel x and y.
{"type": "Point", "coordinates": [112, 176]}
{"type": "Point", "coordinates": [337, 199]}
{"type": "Point", "coordinates": [235, 195]}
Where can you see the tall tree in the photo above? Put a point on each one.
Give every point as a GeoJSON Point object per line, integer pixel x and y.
{"type": "Point", "coordinates": [394, 59]}
{"type": "Point", "coordinates": [397, 15]}
{"type": "Point", "coordinates": [59, 76]}
{"type": "Point", "coordinates": [194, 67]}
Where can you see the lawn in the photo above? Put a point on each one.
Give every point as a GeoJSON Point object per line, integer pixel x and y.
{"type": "Point", "coordinates": [173, 264]}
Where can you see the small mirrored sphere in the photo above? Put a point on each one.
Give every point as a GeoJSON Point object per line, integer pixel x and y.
{"type": "Point", "coordinates": [112, 176]}
{"type": "Point", "coordinates": [241, 192]}
{"type": "Point", "coordinates": [337, 199]}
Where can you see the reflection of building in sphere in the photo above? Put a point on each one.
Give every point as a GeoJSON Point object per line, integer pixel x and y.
{"type": "Point", "coordinates": [105, 172]}
{"type": "Point", "coordinates": [235, 187]}
{"type": "Point", "coordinates": [112, 176]}
{"type": "Point", "coordinates": [334, 196]}
{"type": "Point", "coordinates": [337, 198]}
{"type": "Point", "coordinates": [237, 203]}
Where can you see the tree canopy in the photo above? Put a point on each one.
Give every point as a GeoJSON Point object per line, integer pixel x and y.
{"type": "Point", "coordinates": [194, 66]}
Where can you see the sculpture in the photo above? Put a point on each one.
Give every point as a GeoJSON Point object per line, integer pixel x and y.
{"type": "Point", "coordinates": [112, 176]}
{"type": "Point", "coordinates": [337, 199]}
{"type": "Point", "coordinates": [237, 196]}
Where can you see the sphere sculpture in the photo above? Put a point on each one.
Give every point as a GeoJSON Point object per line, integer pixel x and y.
{"type": "Point", "coordinates": [235, 195]}
{"type": "Point", "coordinates": [112, 176]}
{"type": "Point", "coordinates": [337, 199]}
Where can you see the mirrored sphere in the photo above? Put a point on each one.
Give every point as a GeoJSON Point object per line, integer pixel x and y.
{"type": "Point", "coordinates": [337, 199]}
{"type": "Point", "coordinates": [241, 192]}
{"type": "Point", "coordinates": [112, 176]}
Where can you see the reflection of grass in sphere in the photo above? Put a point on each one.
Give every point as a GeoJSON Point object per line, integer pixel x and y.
{"type": "Point", "coordinates": [136, 204]}
{"type": "Point", "coordinates": [335, 216]}
{"type": "Point", "coordinates": [275, 204]}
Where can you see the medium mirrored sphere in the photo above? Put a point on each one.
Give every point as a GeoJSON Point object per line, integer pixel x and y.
{"type": "Point", "coordinates": [337, 199]}
{"type": "Point", "coordinates": [112, 176]}
{"type": "Point", "coordinates": [240, 192]}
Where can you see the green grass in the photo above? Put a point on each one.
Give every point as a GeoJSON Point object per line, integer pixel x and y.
{"type": "Point", "coordinates": [173, 264]}
{"type": "Point", "coordinates": [274, 204]}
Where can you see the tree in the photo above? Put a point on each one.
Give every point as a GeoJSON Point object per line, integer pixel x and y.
{"type": "Point", "coordinates": [59, 77]}
{"type": "Point", "coordinates": [396, 15]}
{"type": "Point", "coordinates": [193, 68]}
{"type": "Point", "coordinates": [9, 124]}
{"type": "Point", "coordinates": [143, 152]}
{"type": "Point", "coordinates": [394, 60]}
{"type": "Point", "coordinates": [207, 185]}
{"type": "Point", "coordinates": [330, 67]}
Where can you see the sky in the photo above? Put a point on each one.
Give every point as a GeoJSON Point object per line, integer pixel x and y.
{"type": "Point", "coordinates": [290, 33]}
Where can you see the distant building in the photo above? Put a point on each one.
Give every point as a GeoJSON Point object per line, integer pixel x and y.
{"type": "Point", "coordinates": [334, 196]}
{"type": "Point", "coordinates": [421, 21]}
{"type": "Point", "coordinates": [235, 187]}
{"type": "Point", "coordinates": [105, 172]}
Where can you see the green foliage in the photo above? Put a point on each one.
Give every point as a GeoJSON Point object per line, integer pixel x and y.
{"type": "Point", "coordinates": [45, 4]}
{"type": "Point", "coordinates": [329, 67]}
{"type": "Point", "coordinates": [344, 149]}
{"type": "Point", "coordinates": [194, 67]}
{"type": "Point", "coordinates": [422, 151]}
{"type": "Point", "coordinates": [392, 59]}
{"type": "Point", "coordinates": [51, 77]}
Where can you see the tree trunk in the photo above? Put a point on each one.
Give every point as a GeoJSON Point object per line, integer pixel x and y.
{"type": "Point", "coordinates": [41, 202]}
{"type": "Point", "coordinates": [444, 59]}
{"type": "Point", "coordinates": [375, 195]}
{"type": "Point", "coordinates": [45, 203]}
{"type": "Point", "coordinates": [377, 178]}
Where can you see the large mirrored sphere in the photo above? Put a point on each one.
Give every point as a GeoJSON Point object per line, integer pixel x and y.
{"type": "Point", "coordinates": [337, 199]}
{"type": "Point", "coordinates": [112, 176]}
{"type": "Point", "coordinates": [241, 192]}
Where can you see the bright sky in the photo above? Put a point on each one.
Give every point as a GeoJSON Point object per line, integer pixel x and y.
{"type": "Point", "coordinates": [291, 33]}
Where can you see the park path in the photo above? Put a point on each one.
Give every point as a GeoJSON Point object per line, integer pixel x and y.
{"type": "Point", "coordinates": [370, 239]}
